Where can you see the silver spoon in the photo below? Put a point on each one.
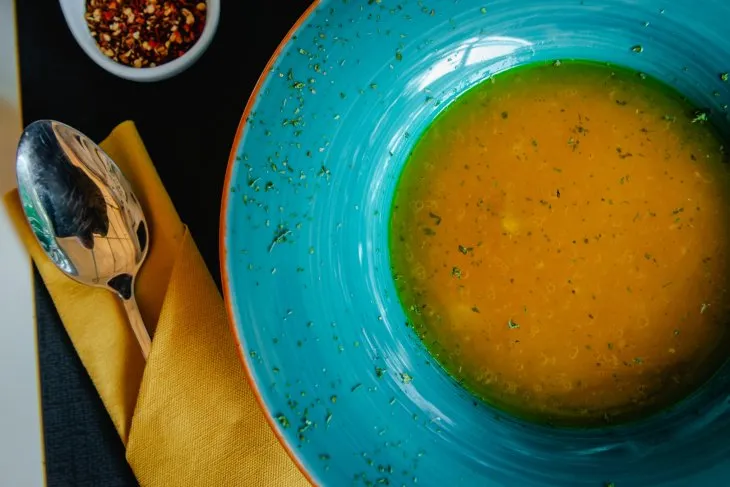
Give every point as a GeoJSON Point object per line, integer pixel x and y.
{"type": "Point", "coordinates": [83, 212]}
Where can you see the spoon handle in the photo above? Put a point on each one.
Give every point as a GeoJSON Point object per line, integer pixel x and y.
{"type": "Point", "coordinates": [135, 320]}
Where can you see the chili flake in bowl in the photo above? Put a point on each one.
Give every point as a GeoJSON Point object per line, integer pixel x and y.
{"type": "Point", "coordinates": [143, 40]}
{"type": "Point", "coordinates": [145, 34]}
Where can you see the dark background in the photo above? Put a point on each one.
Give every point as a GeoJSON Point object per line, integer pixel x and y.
{"type": "Point", "coordinates": [187, 123]}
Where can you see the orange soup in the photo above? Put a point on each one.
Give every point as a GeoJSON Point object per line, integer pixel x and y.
{"type": "Point", "coordinates": [559, 239]}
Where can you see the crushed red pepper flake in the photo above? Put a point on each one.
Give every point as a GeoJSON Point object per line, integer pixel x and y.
{"type": "Point", "coordinates": [145, 33]}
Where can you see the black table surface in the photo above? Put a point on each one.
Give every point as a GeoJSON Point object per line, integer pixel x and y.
{"type": "Point", "coordinates": [187, 123]}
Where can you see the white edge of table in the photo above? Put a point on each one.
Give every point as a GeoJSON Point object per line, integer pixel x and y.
{"type": "Point", "coordinates": [21, 451]}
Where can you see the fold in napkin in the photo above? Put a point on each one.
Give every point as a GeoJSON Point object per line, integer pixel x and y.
{"type": "Point", "coordinates": [188, 417]}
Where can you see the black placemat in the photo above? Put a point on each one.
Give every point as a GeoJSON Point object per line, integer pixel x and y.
{"type": "Point", "coordinates": [82, 448]}
{"type": "Point", "coordinates": [187, 123]}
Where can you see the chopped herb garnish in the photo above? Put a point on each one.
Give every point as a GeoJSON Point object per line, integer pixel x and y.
{"type": "Point", "coordinates": [283, 421]}
{"type": "Point", "coordinates": [355, 387]}
{"type": "Point", "coordinates": [324, 171]}
{"type": "Point", "coordinates": [475, 309]}
{"type": "Point", "coordinates": [280, 237]}
{"type": "Point", "coordinates": [637, 48]}
{"type": "Point", "coordinates": [306, 424]}
{"type": "Point", "coordinates": [505, 115]}
{"type": "Point", "coordinates": [638, 360]}
{"type": "Point", "coordinates": [512, 325]}
{"type": "Point", "coordinates": [398, 56]}
{"type": "Point", "coordinates": [465, 250]}
{"type": "Point", "coordinates": [725, 77]}
{"type": "Point", "coordinates": [379, 372]}
{"type": "Point", "coordinates": [405, 378]}
{"type": "Point", "coordinates": [700, 116]}
{"type": "Point", "coordinates": [456, 272]}
{"type": "Point", "coordinates": [435, 217]}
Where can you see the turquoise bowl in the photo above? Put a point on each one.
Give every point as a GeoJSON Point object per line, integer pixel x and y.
{"type": "Point", "coordinates": [348, 388]}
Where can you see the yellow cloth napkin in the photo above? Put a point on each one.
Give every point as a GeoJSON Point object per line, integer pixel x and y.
{"type": "Point", "coordinates": [188, 417]}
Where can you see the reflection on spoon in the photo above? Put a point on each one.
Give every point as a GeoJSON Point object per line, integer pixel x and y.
{"type": "Point", "coordinates": [83, 212]}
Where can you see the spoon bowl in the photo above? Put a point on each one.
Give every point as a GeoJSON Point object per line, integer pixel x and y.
{"type": "Point", "coordinates": [83, 211]}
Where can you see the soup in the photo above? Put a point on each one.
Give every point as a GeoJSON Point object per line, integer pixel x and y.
{"type": "Point", "coordinates": [559, 239]}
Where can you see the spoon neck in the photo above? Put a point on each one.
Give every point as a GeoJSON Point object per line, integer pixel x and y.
{"type": "Point", "coordinates": [137, 324]}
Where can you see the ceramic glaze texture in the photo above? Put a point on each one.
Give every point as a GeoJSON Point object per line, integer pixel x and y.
{"type": "Point", "coordinates": [351, 390]}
